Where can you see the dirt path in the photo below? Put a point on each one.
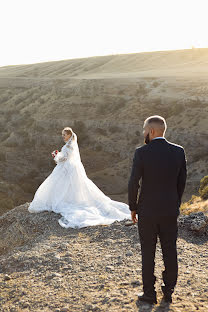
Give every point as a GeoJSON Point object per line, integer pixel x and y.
{"type": "Point", "coordinates": [96, 269]}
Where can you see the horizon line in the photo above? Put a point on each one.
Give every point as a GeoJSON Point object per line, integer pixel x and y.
{"type": "Point", "coordinates": [103, 55]}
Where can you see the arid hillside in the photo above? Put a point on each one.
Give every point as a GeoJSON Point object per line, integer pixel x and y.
{"type": "Point", "coordinates": [105, 100]}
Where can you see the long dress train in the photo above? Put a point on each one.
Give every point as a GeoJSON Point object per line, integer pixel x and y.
{"type": "Point", "coordinates": [68, 191]}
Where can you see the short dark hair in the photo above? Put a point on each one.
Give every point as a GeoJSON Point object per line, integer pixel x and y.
{"type": "Point", "coordinates": [158, 120]}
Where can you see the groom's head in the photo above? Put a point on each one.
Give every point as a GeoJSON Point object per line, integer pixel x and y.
{"type": "Point", "coordinates": [154, 126]}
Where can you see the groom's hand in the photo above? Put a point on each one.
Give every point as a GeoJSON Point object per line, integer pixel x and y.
{"type": "Point", "coordinates": [133, 216]}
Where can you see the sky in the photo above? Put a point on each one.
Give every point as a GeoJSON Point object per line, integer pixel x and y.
{"type": "Point", "coordinates": [33, 31]}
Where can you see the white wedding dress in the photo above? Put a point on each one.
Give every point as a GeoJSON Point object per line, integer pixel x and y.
{"type": "Point", "coordinates": [68, 191]}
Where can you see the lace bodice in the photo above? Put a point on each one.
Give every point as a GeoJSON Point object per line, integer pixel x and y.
{"type": "Point", "coordinates": [65, 153]}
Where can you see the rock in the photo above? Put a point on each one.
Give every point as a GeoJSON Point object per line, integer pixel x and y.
{"type": "Point", "coordinates": [129, 253]}
{"type": "Point", "coordinates": [64, 309]}
{"type": "Point", "coordinates": [66, 268]}
{"type": "Point", "coordinates": [25, 305]}
{"type": "Point", "coordinates": [53, 275]}
{"type": "Point", "coordinates": [57, 257]}
{"type": "Point", "coordinates": [109, 268]}
{"type": "Point", "coordinates": [119, 263]}
{"type": "Point", "coordinates": [124, 283]}
{"type": "Point", "coordinates": [91, 307]}
{"type": "Point", "coordinates": [105, 300]}
{"type": "Point", "coordinates": [135, 283]}
{"type": "Point", "coordinates": [7, 277]}
{"type": "Point", "coordinates": [102, 278]}
{"type": "Point", "coordinates": [198, 225]}
{"type": "Point", "coordinates": [67, 255]}
{"type": "Point", "coordinates": [57, 275]}
{"type": "Point", "coordinates": [196, 222]}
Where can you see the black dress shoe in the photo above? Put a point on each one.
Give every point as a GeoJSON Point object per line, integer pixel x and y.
{"type": "Point", "coordinates": [167, 298]}
{"type": "Point", "coordinates": [167, 295]}
{"type": "Point", "coordinates": [147, 299]}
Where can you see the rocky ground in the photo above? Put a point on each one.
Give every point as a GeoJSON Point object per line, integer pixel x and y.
{"type": "Point", "coordinates": [44, 267]}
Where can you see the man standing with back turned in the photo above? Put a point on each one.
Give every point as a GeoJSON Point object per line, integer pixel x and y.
{"type": "Point", "coordinates": [161, 166]}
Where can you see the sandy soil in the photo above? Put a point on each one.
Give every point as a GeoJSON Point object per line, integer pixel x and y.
{"type": "Point", "coordinates": [91, 269]}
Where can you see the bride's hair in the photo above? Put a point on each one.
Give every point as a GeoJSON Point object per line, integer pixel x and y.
{"type": "Point", "coordinates": [68, 130]}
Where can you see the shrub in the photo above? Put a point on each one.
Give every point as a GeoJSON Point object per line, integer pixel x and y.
{"type": "Point", "coordinates": [81, 130]}
{"type": "Point", "coordinates": [135, 140]}
{"type": "Point", "coordinates": [142, 89]}
{"type": "Point", "coordinates": [98, 148]}
{"type": "Point", "coordinates": [155, 84]}
{"type": "Point", "coordinates": [79, 126]}
{"type": "Point", "coordinates": [177, 109]}
{"type": "Point", "coordinates": [118, 104]}
{"type": "Point", "coordinates": [41, 101]}
{"type": "Point", "coordinates": [195, 103]}
{"type": "Point", "coordinates": [114, 129]}
{"type": "Point", "coordinates": [103, 109]}
{"type": "Point", "coordinates": [5, 205]}
{"type": "Point", "coordinates": [111, 105]}
{"type": "Point", "coordinates": [195, 204]}
{"type": "Point", "coordinates": [4, 99]}
{"type": "Point", "coordinates": [101, 131]}
{"type": "Point", "coordinates": [11, 144]}
{"type": "Point", "coordinates": [191, 201]}
{"type": "Point", "coordinates": [28, 188]}
{"type": "Point", "coordinates": [204, 193]}
{"type": "Point", "coordinates": [2, 156]}
{"type": "Point", "coordinates": [203, 189]}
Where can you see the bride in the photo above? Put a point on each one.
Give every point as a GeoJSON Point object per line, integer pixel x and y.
{"type": "Point", "coordinates": [69, 192]}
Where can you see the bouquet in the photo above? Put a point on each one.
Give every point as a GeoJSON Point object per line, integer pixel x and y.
{"type": "Point", "coordinates": [54, 153]}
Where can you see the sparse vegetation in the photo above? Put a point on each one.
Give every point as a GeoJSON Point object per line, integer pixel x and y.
{"type": "Point", "coordinates": [80, 129]}
{"type": "Point", "coordinates": [2, 156]}
{"type": "Point", "coordinates": [135, 141]}
{"type": "Point", "coordinates": [142, 89]}
{"type": "Point", "coordinates": [28, 187]}
{"type": "Point", "coordinates": [98, 148]}
{"type": "Point", "coordinates": [203, 189]}
{"type": "Point", "coordinates": [101, 131]}
{"type": "Point", "coordinates": [114, 129]}
{"type": "Point", "coordinates": [6, 204]}
{"type": "Point", "coordinates": [107, 114]}
{"type": "Point", "coordinates": [155, 84]}
{"type": "Point", "coordinates": [195, 204]}
{"type": "Point", "coordinates": [102, 109]}
{"type": "Point", "coordinates": [11, 144]}
{"type": "Point", "coordinates": [195, 103]}
{"type": "Point", "coordinates": [111, 105]}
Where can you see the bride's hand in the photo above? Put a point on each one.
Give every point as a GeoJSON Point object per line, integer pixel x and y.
{"type": "Point", "coordinates": [54, 153]}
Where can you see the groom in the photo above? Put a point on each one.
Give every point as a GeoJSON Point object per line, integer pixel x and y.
{"type": "Point", "coordinates": [161, 166]}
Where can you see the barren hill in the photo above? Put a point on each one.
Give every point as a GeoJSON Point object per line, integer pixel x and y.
{"type": "Point", "coordinates": [105, 100]}
{"type": "Point", "coordinates": [161, 63]}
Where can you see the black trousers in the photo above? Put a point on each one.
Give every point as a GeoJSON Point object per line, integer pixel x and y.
{"type": "Point", "coordinates": [167, 230]}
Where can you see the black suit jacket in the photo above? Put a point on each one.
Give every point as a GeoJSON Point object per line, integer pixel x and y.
{"type": "Point", "coordinates": [161, 166]}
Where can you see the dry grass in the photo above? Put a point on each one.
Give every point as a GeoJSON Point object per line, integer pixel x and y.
{"type": "Point", "coordinates": [195, 204]}
{"type": "Point", "coordinates": [106, 104]}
